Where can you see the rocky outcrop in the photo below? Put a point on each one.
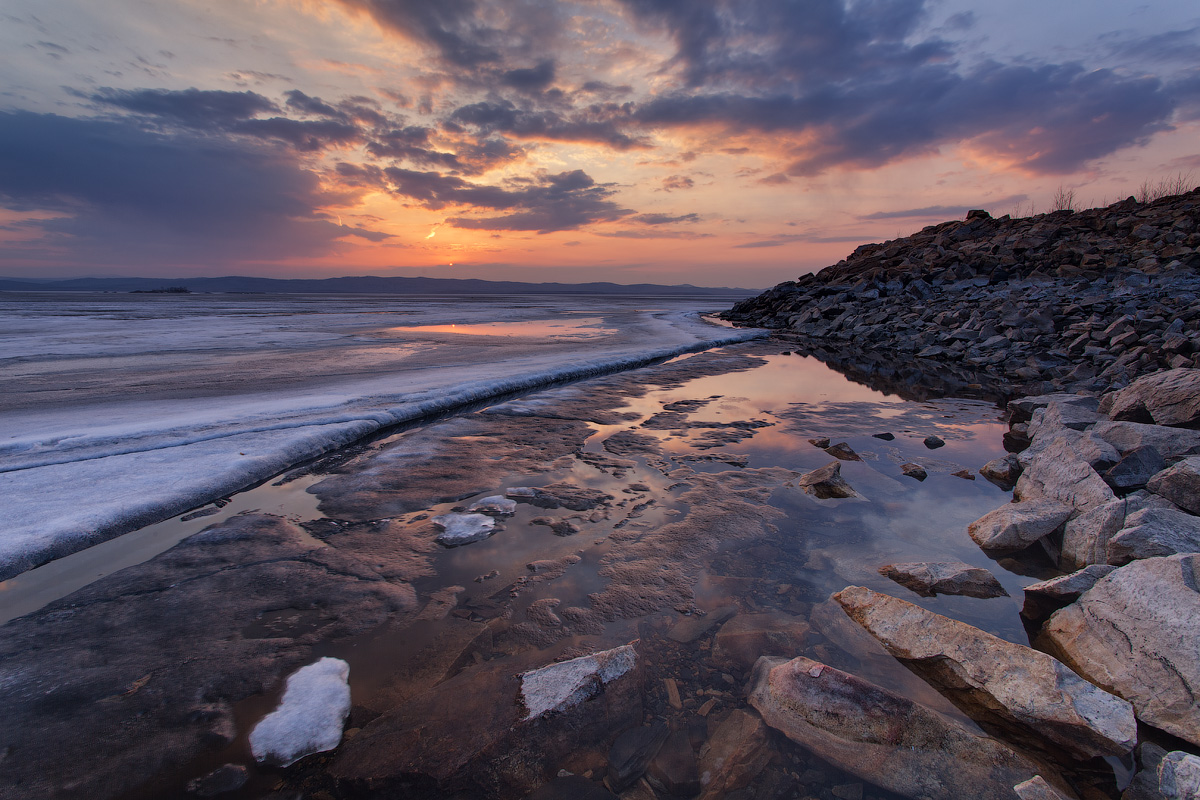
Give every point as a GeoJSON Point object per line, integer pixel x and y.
{"type": "Point", "coordinates": [1136, 633]}
{"type": "Point", "coordinates": [1004, 686]}
{"type": "Point", "coordinates": [929, 579]}
{"type": "Point", "coordinates": [1017, 525]}
{"type": "Point", "coordinates": [1076, 300]}
{"type": "Point", "coordinates": [1165, 398]}
{"type": "Point", "coordinates": [882, 737]}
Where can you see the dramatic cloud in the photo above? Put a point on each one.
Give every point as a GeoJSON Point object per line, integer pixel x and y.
{"type": "Point", "coordinates": [191, 107]}
{"type": "Point", "coordinates": [599, 123]}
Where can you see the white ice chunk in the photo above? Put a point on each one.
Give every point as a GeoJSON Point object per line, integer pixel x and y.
{"type": "Point", "coordinates": [309, 719]}
{"type": "Point", "coordinates": [494, 504]}
{"type": "Point", "coordinates": [460, 529]}
{"type": "Point", "coordinates": [560, 686]}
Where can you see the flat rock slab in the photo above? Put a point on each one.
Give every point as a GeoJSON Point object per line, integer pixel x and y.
{"type": "Point", "coordinates": [826, 483]}
{"type": "Point", "coordinates": [1015, 526]}
{"type": "Point", "coordinates": [931, 578]}
{"type": "Point", "coordinates": [1180, 484]}
{"type": "Point", "coordinates": [1171, 397]}
{"type": "Point", "coordinates": [1136, 633]}
{"type": "Point", "coordinates": [882, 737]}
{"type": "Point", "coordinates": [1017, 689]}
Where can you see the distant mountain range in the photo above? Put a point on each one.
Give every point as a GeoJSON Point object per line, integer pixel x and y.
{"type": "Point", "coordinates": [367, 284]}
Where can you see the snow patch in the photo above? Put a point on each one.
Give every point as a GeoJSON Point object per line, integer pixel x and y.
{"type": "Point", "coordinates": [309, 719]}
{"type": "Point", "coordinates": [460, 529]}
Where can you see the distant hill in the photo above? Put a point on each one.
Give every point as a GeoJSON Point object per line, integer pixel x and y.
{"type": "Point", "coordinates": [367, 284]}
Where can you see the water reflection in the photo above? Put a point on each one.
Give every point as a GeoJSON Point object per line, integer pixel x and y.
{"type": "Point", "coordinates": [579, 329]}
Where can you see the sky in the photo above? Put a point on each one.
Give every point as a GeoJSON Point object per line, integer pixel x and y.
{"type": "Point", "coordinates": [711, 142]}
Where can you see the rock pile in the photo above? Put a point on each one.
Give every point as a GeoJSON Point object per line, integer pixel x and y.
{"type": "Point", "coordinates": [1066, 300]}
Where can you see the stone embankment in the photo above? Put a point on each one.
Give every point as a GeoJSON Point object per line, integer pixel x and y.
{"type": "Point", "coordinates": [1086, 300]}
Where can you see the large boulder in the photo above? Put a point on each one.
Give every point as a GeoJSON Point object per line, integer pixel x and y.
{"type": "Point", "coordinates": [1152, 532]}
{"type": "Point", "coordinates": [1060, 473]}
{"type": "Point", "coordinates": [1179, 776]}
{"type": "Point", "coordinates": [931, 578]}
{"type": "Point", "coordinates": [1085, 538]}
{"type": "Point", "coordinates": [1015, 526]}
{"type": "Point", "coordinates": [882, 737]}
{"type": "Point", "coordinates": [1171, 397]}
{"type": "Point", "coordinates": [1136, 633]}
{"type": "Point", "coordinates": [1129, 436]}
{"type": "Point", "coordinates": [1180, 484]}
{"type": "Point", "coordinates": [1006, 686]}
{"type": "Point", "coordinates": [1044, 598]}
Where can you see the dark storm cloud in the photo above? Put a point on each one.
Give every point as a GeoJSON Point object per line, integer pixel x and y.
{"type": "Point", "coordinates": [530, 78]}
{"type": "Point", "coordinates": [598, 124]}
{"type": "Point", "coordinates": [305, 135]}
{"type": "Point", "coordinates": [137, 197]}
{"type": "Point", "coordinates": [545, 203]}
{"type": "Point", "coordinates": [192, 107]}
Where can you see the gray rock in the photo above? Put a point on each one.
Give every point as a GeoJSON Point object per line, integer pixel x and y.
{"type": "Point", "coordinates": [1036, 788]}
{"type": "Point", "coordinates": [1128, 436]}
{"type": "Point", "coordinates": [1044, 598]}
{"type": "Point", "coordinates": [1059, 473]}
{"type": "Point", "coordinates": [931, 578]}
{"type": "Point", "coordinates": [826, 482]}
{"type": "Point", "coordinates": [559, 686]}
{"type": "Point", "coordinates": [1134, 469]}
{"type": "Point", "coordinates": [882, 737]}
{"type": "Point", "coordinates": [1003, 471]}
{"type": "Point", "coordinates": [1144, 785]}
{"type": "Point", "coordinates": [1021, 409]}
{"type": "Point", "coordinates": [1152, 532]}
{"type": "Point", "coordinates": [1179, 776]}
{"type": "Point", "coordinates": [1136, 633]}
{"type": "Point", "coordinates": [1086, 537]}
{"type": "Point", "coordinates": [1026, 693]}
{"type": "Point", "coordinates": [1055, 416]}
{"type": "Point", "coordinates": [496, 504]}
{"type": "Point", "coordinates": [933, 442]}
{"type": "Point", "coordinates": [1171, 397]}
{"type": "Point", "coordinates": [1180, 484]}
{"type": "Point", "coordinates": [1015, 526]}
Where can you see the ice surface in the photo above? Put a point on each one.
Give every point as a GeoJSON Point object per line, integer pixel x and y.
{"type": "Point", "coordinates": [459, 529]}
{"type": "Point", "coordinates": [557, 687]}
{"type": "Point", "coordinates": [118, 411]}
{"type": "Point", "coordinates": [309, 719]}
{"type": "Point", "coordinates": [496, 504]}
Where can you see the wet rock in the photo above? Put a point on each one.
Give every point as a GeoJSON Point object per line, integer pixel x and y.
{"type": "Point", "coordinates": [887, 437]}
{"type": "Point", "coordinates": [1180, 484]}
{"type": "Point", "coordinates": [821, 442]}
{"type": "Point", "coordinates": [1044, 598]}
{"type": "Point", "coordinates": [930, 578]}
{"type": "Point", "coordinates": [632, 752]}
{"type": "Point", "coordinates": [1171, 397]}
{"type": "Point", "coordinates": [914, 471]}
{"type": "Point", "coordinates": [570, 787]}
{"type": "Point", "coordinates": [496, 504]}
{"type": "Point", "coordinates": [741, 640]}
{"type": "Point", "coordinates": [1134, 469]}
{"type": "Point", "coordinates": [880, 736]}
{"type": "Point", "coordinates": [842, 452]}
{"type": "Point", "coordinates": [1129, 436]}
{"type": "Point", "coordinates": [1179, 776]}
{"type": "Point", "coordinates": [556, 495]}
{"type": "Point", "coordinates": [826, 483]}
{"type": "Point", "coordinates": [1022, 691]}
{"type": "Point", "coordinates": [1015, 526]}
{"type": "Point", "coordinates": [1152, 532]}
{"type": "Point", "coordinates": [1136, 633]}
{"type": "Point", "coordinates": [460, 529]}
{"type": "Point", "coordinates": [1003, 471]}
{"type": "Point", "coordinates": [1036, 788]}
{"type": "Point", "coordinates": [965, 474]}
{"type": "Point", "coordinates": [557, 687]}
{"type": "Point", "coordinates": [227, 778]}
{"type": "Point", "coordinates": [691, 628]}
{"type": "Point", "coordinates": [933, 442]}
{"type": "Point", "coordinates": [674, 769]}
{"type": "Point", "coordinates": [1059, 473]}
{"type": "Point", "coordinates": [734, 755]}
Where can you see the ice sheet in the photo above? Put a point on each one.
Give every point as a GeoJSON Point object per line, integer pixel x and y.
{"type": "Point", "coordinates": [118, 411]}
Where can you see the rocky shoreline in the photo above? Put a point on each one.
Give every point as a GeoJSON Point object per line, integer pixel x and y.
{"type": "Point", "coordinates": [1065, 301]}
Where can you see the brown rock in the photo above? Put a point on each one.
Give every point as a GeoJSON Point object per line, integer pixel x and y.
{"type": "Point", "coordinates": [826, 482]}
{"type": "Point", "coordinates": [1180, 484]}
{"type": "Point", "coordinates": [842, 452]}
{"type": "Point", "coordinates": [1015, 526]}
{"type": "Point", "coordinates": [1171, 397]}
{"type": "Point", "coordinates": [734, 755]}
{"type": "Point", "coordinates": [674, 769]}
{"type": "Point", "coordinates": [930, 578]}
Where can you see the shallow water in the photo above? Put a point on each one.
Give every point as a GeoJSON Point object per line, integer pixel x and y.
{"type": "Point", "coordinates": [763, 417]}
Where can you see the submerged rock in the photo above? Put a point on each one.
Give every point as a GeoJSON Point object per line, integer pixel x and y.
{"type": "Point", "coordinates": [1136, 633]}
{"type": "Point", "coordinates": [689, 629]}
{"type": "Point", "coordinates": [931, 578]}
{"type": "Point", "coordinates": [741, 640]}
{"type": "Point", "coordinates": [734, 754]}
{"type": "Point", "coordinates": [460, 529]}
{"type": "Point", "coordinates": [1015, 526]}
{"type": "Point", "coordinates": [555, 495]}
{"type": "Point", "coordinates": [1025, 692]}
{"type": "Point", "coordinates": [674, 769]}
{"type": "Point", "coordinates": [827, 482]}
{"type": "Point", "coordinates": [882, 737]}
{"type": "Point", "coordinates": [309, 719]}
{"type": "Point", "coordinates": [632, 752]}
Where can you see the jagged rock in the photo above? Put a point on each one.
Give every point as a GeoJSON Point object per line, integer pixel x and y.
{"type": "Point", "coordinates": [1134, 469]}
{"type": "Point", "coordinates": [674, 769]}
{"type": "Point", "coordinates": [1180, 484]}
{"type": "Point", "coordinates": [1152, 532]}
{"type": "Point", "coordinates": [1003, 471]}
{"type": "Point", "coordinates": [842, 452]}
{"type": "Point", "coordinates": [741, 640]}
{"type": "Point", "coordinates": [1144, 785]}
{"type": "Point", "coordinates": [1036, 788]}
{"type": "Point", "coordinates": [1129, 436]}
{"type": "Point", "coordinates": [821, 442]}
{"type": "Point", "coordinates": [632, 752]}
{"type": "Point", "coordinates": [914, 471]}
{"type": "Point", "coordinates": [1058, 473]}
{"type": "Point", "coordinates": [882, 737]}
{"type": "Point", "coordinates": [1179, 776]}
{"type": "Point", "coordinates": [826, 482]}
{"type": "Point", "coordinates": [930, 578]}
{"type": "Point", "coordinates": [1004, 685]}
{"type": "Point", "coordinates": [734, 754]}
{"type": "Point", "coordinates": [1171, 397]}
{"type": "Point", "coordinates": [1136, 633]}
{"type": "Point", "coordinates": [1044, 598]}
{"type": "Point", "coordinates": [1015, 526]}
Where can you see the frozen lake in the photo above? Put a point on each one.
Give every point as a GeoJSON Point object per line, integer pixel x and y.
{"type": "Point", "coordinates": [122, 410]}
